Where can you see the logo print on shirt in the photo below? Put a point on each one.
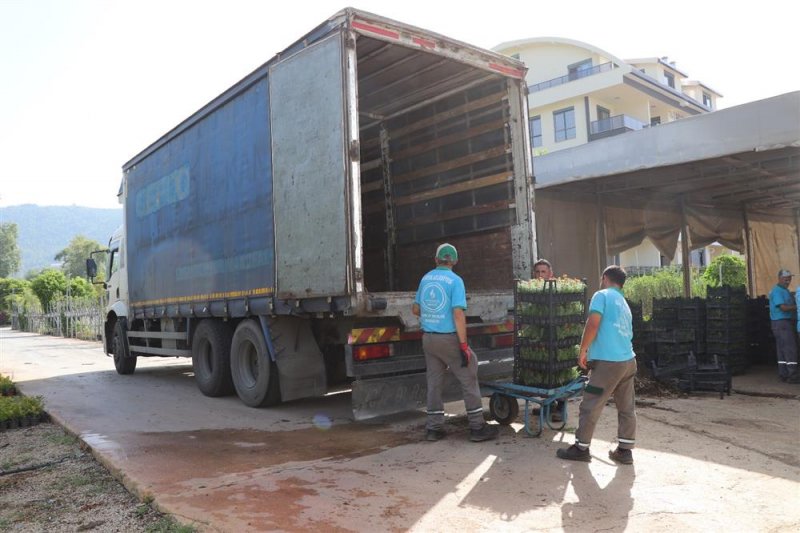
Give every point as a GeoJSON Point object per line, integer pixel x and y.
{"type": "Point", "coordinates": [434, 299]}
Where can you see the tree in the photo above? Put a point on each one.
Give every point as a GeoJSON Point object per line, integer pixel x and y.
{"type": "Point", "coordinates": [10, 288]}
{"type": "Point", "coordinates": [726, 270]}
{"type": "Point", "coordinates": [9, 251]}
{"type": "Point", "coordinates": [74, 256]}
{"type": "Point", "coordinates": [80, 288]}
{"type": "Point", "coordinates": [49, 286]}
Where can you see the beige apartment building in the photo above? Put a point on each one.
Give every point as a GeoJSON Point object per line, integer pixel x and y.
{"type": "Point", "coordinates": [579, 93]}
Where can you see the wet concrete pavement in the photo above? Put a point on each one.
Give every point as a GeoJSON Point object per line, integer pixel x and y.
{"type": "Point", "coordinates": [702, 464]}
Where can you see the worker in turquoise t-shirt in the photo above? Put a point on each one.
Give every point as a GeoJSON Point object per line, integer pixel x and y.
{"type": "Point", "coordinates": [440, 304]}
{"type": "Point", "coordinates": [781, 309]}
{"type": "Point", "coordinates": [607, 351]}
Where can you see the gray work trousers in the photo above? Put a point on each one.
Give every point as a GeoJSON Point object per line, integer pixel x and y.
{"type": "Point", "coordinates": [442, 351]}
{"type": "Point", "coordinates": [786, 347]}
{"type": "Point", "coordinates": [607, 379]}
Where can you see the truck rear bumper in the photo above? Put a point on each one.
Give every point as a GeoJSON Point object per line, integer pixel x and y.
{"type": "Point", "coordinates": [394, 394]}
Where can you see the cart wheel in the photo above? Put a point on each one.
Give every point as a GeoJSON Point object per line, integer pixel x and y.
{"type": "Point", "coordinates": [503, 408]}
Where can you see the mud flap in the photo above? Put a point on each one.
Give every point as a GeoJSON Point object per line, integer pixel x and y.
{"type": "Point", "coordinates": [301, 367]}
{"type": "Point", "coordinates": [394, 394]}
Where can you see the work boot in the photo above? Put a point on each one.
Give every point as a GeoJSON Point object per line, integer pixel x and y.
{"type": "Point", "coordinates": [621, 455]}
{"type": "Point", "coordinates": [432, 435]}
{"type": "Point", "coordinates": [486, 432]}
{"type": "Point", "coordinates": [574, 453]}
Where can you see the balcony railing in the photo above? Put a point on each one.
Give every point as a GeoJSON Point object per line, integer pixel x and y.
{"type": "Point", "coordinates": [613, 125]}
{"type": "Point", "coordinates": [572, 76]}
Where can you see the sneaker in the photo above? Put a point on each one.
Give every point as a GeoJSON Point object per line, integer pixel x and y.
{"type": "Point", "coordinates": [486, 432]}
{"type": "Point", "coordinates": [573, 453]}
{"type": "Point", "coordinates": [432, 435]}
{"type": "Point", "coordinates": [621, 455]}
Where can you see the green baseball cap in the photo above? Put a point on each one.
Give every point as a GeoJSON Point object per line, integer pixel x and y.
{"type": "Point", "coordinates": [447, 252]}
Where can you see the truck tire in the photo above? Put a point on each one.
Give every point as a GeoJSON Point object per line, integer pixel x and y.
{"type": "Point", "coordinates": [211, 358]}
{"type": "Point", "coordinates": [124, 362]}
{"type": "Point", "coordinates": [255, 375]}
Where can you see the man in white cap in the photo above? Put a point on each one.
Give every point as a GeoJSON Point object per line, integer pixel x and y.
{"type": "Point", "coordinates": [440, 304]}
{"type": "Point", "coordinates": [781, 308]}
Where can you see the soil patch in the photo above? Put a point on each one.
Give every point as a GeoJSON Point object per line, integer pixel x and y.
{"type": "Point", "coordinates": [48, 483]}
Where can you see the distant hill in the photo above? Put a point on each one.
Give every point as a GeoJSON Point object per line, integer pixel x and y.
{"type": "Point", "coordinates": [45, 231]}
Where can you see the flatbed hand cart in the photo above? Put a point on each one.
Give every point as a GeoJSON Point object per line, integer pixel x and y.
{"type": "Point", "coordinates": [504, 405]}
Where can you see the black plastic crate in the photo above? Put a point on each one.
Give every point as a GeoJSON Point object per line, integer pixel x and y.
{"type": "Point", "coordinates": [726, 312]}
{"type": "Point", "coordinates": [726, 335]}
{"type": "Point", "coordinates": [677, 335]}
{"type": "Point", "coordinates": [730, 296]}
{"type": "Point", "coordinates": [677, 348]}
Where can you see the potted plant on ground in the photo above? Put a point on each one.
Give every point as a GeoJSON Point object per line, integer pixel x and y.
{"type": "Point", "coordinates": [7, 387]}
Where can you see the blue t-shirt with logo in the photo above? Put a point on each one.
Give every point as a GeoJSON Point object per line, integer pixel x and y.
{"type": "Point", "coordinates": [779, 296]}
{"type": "Point", "coordinates": [440, 291]}
{"type": "Point", "coordinates": [797, 303]}
{"type": "Point", "coordinates": [613, 341]}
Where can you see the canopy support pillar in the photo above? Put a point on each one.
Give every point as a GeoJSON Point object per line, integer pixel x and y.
{"type": "Point", "coordinates": [748, 254]}
{"type": "Point", "coordinates": [685, 252]}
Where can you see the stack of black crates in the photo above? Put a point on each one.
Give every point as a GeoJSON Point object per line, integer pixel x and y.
{"type": "Point", "coordinates": [726, 326]}
{"type": "Point", "coordinates": [644, 345]}
{"type": "Point", "coordinates": [672, 343]}
{"type": "Point", "coordinates": [760, 340]}
{"type": "Point", "coordinates": [548, 324]}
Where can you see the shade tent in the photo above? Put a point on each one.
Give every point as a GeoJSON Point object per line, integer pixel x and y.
{"type": "Point", "coordinates": [731, 176]}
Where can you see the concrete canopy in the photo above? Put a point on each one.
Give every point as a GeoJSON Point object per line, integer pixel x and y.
{"type": "Point", "coordinates": [731, 176]}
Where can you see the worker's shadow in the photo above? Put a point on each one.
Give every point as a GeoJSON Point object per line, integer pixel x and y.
{"type": "Point", "coordinates": [605, 508]}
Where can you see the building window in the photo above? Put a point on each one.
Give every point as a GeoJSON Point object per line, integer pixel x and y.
{"type": "Point", "coordinates": [707, 100]}
{"type": "Point", "coordinates": [536, 131]}
{"type": "Point", "coordinates": [564, 124]}
{"type": "Point", "coordinates": [603, 113]}
{"type": "Point", "coordinates": [655, 121]}
{"type": "Point", "coordinates": [670, 78]}
{"type": "Point", "coordinates": [579, 70]}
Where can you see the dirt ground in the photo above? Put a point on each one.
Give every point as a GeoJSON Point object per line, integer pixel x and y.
{"type": "Point", "coordinates": [701, 464]}
{"type": "Point", "coordinates": [49, 483]}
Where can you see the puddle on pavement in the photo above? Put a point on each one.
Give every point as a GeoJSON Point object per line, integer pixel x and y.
{"type": "Point", "coordinates": [169, 457]}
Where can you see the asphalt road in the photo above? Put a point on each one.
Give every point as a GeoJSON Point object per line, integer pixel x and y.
{"type": "Point", "coordinates": [702, 463]}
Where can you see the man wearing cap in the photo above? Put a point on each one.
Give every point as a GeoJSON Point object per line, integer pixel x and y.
{"type": "Point", "coordinates": [607, 351]}
{"type": "Point", "coordinates": [781, 308]}
{"type": "Point", "coordinates": [440, 304]}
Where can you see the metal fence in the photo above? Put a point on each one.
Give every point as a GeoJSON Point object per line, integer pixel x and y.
{"type": "Point", "coordinates": [72, 317]}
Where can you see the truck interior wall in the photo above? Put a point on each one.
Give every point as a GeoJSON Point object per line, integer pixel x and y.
{"type": "Point", "coordinates": [436, 166]}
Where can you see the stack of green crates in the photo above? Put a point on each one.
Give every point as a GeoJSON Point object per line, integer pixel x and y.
{"type": "Point", "coordinates": [548, 323]}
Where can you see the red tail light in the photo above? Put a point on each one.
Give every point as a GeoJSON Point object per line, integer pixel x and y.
{"type": "Point", "coordinates": [371, 351]}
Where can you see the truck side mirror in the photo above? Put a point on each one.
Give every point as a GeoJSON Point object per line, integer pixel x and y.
{"type": "Point", "coordinates": [91, 269]}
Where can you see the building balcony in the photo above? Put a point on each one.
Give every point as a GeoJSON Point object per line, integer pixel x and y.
{"type": "Point", "coordinates": [608, 127]}
{"type": "Point", "coordinates": [572, 76]}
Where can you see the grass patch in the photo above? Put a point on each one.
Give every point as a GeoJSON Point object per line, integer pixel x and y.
{"type": "Point", "coordinates": [167, 524]}
{"type": "Point", "coordinates": [63, 439]}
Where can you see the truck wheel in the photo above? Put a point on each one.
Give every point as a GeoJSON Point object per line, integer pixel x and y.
{"type": "Point", "coordinates": [124, 362]}
{"type": "Point", "coordinates": [211, 358]}
{"type": "Point", "coordinates": [255, 376]}
{"type": "Point", "coordinates": [504, 409]}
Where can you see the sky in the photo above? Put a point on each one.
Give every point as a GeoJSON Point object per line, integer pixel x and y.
{"type": "Point", "coordinates": [87, 84]}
